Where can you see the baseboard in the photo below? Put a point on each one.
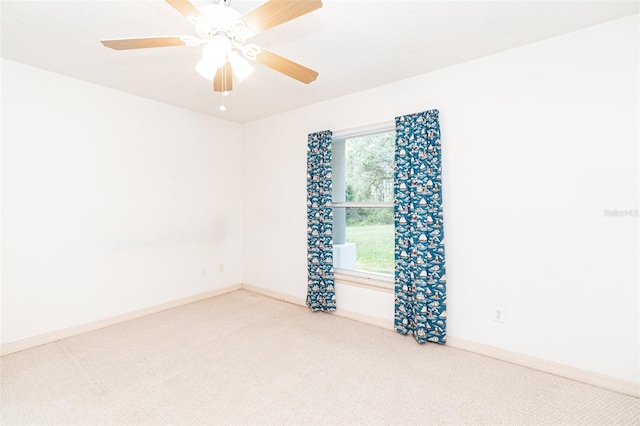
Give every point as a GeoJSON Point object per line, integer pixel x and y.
{"type": "Point", "coordinates": [274, 294]}
{"type": "Point", "coordinates": [43, 339]}
{"type": "Point", "coordinates": [584, 376]}
{"type": "Point", "coordinates": [573, 373]}
{"type": "Point", "coordinates": [378, 322]}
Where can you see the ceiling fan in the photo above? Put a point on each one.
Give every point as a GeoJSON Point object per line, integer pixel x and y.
{"type": "Point", "coordinates": [224, 34]}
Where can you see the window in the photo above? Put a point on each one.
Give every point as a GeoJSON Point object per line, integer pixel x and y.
{"type": "Point", "coordinates": [363, 218]}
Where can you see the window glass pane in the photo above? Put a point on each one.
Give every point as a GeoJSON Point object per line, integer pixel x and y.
{"type": "Point", "coordinates": [369, 168]}
{"type": "Point", "coordinates": [364, 239]}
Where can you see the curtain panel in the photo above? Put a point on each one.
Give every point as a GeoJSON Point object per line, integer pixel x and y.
{"type": "Point", "coordinates": [320, 282]}
{"type": "Point", "coordinates": [420, 280]}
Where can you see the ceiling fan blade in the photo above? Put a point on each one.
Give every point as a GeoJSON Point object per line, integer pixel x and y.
{"type": "Point", "coordinates": [276, 12]}
{"type": "Point", "coordinates": [223, 81]}
{"type": "Point", "coordinates": [286, 66]}
{"type": "Point", "coordinates": [185, 7]}
{"type": "Point", "coordinates": [141, 43]}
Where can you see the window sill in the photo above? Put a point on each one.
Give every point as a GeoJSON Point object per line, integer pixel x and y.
{"type": "Point", "coordinates": [368, 280]}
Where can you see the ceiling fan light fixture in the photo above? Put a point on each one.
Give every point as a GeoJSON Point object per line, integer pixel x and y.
{"type": "Point", "coordinates": [206, 68]}
{"type": "Point", "coordinates": [214, 55]}
{"type": "Point", "coordinates": [241, 67]}
{"type": "Point", "coordinates": [217, 49]}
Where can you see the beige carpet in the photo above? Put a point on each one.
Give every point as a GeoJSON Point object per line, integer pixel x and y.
{"type": "Point", "coordinates": [242, 358]}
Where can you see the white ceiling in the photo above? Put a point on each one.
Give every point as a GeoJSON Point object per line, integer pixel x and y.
{"type": "Point", "coordinates": [353, 44]}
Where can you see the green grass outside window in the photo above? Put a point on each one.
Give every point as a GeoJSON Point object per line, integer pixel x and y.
{"type": "Point", "coordinates": [374, 247]}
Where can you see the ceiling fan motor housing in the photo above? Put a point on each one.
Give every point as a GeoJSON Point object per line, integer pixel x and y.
{"type": "Point", "coordinates": [215, 19]}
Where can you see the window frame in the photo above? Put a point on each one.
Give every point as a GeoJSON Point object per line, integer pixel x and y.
{"type": "Point", "coordinates": [365, 279]}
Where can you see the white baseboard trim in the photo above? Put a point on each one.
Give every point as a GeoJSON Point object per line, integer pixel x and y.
{"type": "Point", "coordinates": [368, 319]}
{"type": "Point", "coordinates": [43, 339]}
{"type": "Point", "coordinates": [584, 376]}
{"type": "Point", "coordinates": [275, 294]}
{"type": "Point", "coordinates": [573, 373]}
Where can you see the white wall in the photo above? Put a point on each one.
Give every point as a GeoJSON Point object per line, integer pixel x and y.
{"type": "Point", "coordinates": [111, 202]}
{"type": "Point", "coordinates": [537, 142]}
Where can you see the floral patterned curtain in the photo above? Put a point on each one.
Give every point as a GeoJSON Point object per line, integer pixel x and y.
{"type": "Point", "coordinates": [321, 290]}
{"type": "Point", "coordinates": [420, 280]}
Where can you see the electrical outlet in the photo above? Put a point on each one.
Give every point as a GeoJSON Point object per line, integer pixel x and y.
{"type": "Point", "coordinates": [221, 267]}
{"type": "Point", "coordinates": [202, 272]}
{"type": "Point", "coordinates": [498, 314]}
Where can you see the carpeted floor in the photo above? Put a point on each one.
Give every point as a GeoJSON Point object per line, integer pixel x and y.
{"type": "Point", "coordinates": [242, 358]}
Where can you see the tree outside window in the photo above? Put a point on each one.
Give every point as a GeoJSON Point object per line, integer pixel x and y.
{"type": "Point", "coordinates": [363, 203]}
